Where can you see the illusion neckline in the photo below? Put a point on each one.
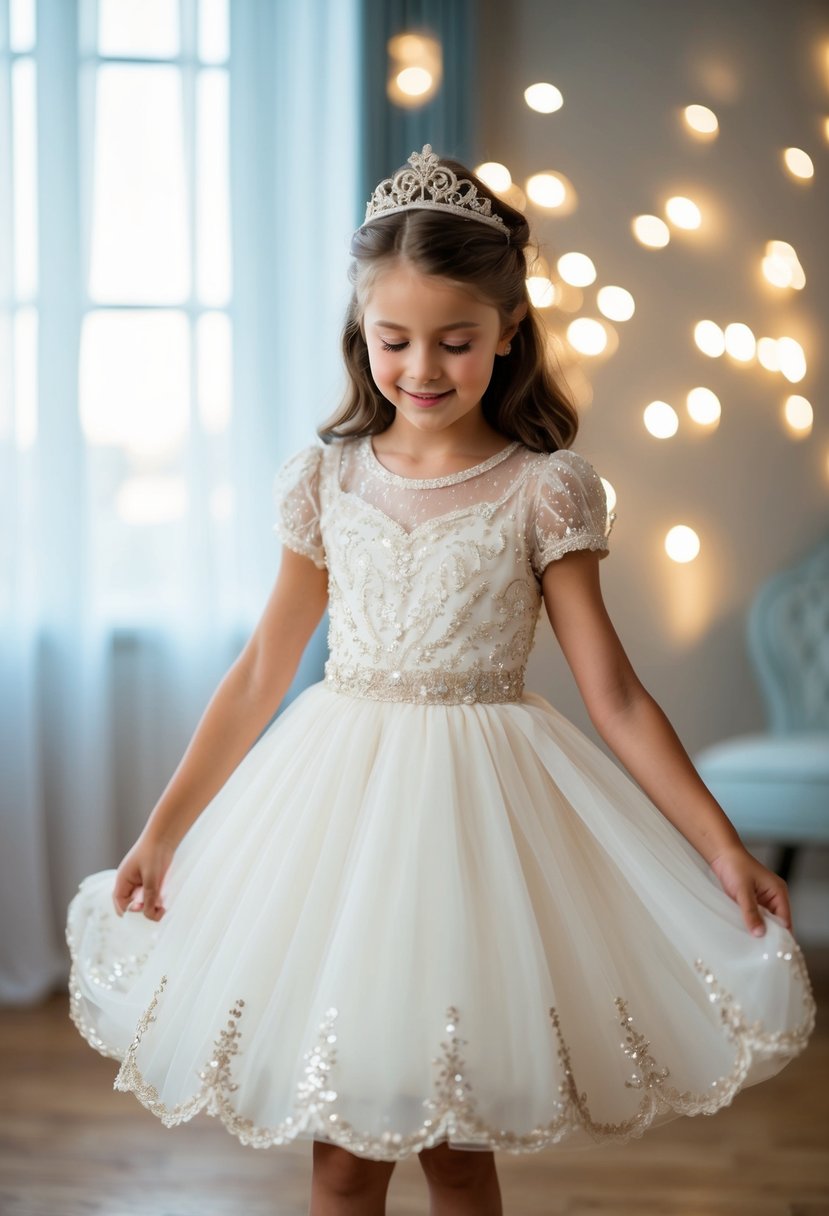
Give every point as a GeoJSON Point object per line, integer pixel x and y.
{"type": "Point", "coordinates": [428, 483]}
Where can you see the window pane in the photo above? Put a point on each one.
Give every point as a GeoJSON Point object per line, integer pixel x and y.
{"type": "Point", "coordinates": [212, 189]}
{"type": "Point", "coordinates": [25, 378]}
{"type": "Point", "coordinates": [138, 27]}
{"type": "Point", "coordinates": [140, 244]}
{"type": "Point", "coordinates": [22, 25]}
{"type": "Point", "coordinates": [213, 336]}
{"type": "Point", "coordinates": [6, 385]}
{"type": "Point", "coordinates": [214, 31]}
{"type": "Point", "coordinates": [139, 540]}
{"type": "Point", "coordinates": [134, 388]}
{"type": "Point", "coordinates": [24, 173]}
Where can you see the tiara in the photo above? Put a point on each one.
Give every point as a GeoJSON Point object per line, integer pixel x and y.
{"type": "Point", "coordinates": [434, 187]}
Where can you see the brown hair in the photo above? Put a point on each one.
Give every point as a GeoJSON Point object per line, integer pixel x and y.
{"type": "Point", "coordinates": [524, 399]}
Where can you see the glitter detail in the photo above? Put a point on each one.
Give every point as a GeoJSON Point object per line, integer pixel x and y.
{"type": "Point", "coordinates": [425, 687]}
{"type": "Point", "coordinates": [451, 1111]}
{"type": "Point", "coordinates": [434, 585]}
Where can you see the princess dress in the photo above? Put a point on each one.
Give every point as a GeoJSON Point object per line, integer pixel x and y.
{"type": "Point", "coordinates": [425, 906]}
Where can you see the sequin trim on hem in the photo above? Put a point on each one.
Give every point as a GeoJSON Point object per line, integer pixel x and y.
{"type": "Point", "coordinates": [452, 1110]}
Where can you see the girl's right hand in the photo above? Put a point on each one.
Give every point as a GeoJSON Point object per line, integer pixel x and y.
{"type": "Point", "coordinates": [140, 875]}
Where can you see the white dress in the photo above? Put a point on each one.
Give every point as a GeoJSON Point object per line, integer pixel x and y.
{"type": "Point", "coordinates": [425, 906]}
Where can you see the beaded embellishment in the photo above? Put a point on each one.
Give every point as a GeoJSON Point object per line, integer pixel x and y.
{"type": "Point", "coordinates": [451, 1111]}
{"type": "Point", "coordinates": [425, 687]}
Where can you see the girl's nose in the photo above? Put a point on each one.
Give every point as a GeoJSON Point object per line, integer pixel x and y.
{"type": "Point", "coordinates": [425, 364]}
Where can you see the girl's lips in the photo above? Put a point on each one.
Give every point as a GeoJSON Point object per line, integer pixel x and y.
{"type": "Point", "coordinates": [427, 398]}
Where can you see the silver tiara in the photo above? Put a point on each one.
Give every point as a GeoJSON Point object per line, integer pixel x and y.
{"type": "Point", "coordinates": [432, 186]}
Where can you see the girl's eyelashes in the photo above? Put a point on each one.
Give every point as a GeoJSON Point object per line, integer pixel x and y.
{"type": "Point", "coordinates": [454, 350]}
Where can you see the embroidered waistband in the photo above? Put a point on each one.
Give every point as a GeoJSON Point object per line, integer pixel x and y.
{"type": "Point", "coordinates": [426, 687]}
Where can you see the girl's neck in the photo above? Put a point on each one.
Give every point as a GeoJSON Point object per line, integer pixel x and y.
{"type": "Point", "coordinates": [416, 453]}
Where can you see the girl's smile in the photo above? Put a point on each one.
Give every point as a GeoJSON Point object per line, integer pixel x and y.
{"type": "Point", "coordinates": [427, 399]}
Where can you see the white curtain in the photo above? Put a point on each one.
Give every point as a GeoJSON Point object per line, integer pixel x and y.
{"type": "Point", "coordinates": [98, 697]}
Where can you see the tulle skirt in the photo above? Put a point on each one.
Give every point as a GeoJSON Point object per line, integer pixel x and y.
{"type": "Point", "coordinates": [399, 924]}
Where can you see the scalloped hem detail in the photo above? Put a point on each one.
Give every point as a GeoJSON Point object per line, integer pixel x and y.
{"type": "Point", "coordinates": [452, 1109]}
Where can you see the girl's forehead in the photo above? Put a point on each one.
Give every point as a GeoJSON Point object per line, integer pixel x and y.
{"type": "Point", "coordinates": [403, 286]}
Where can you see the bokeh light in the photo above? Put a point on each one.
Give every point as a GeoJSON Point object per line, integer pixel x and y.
{"type": "Point", "coordinates": [792, 359]}
{"type": "Point", "coordinates": [414, 82]}
{"type": "Point", "coordinates": [683, 212]}
{"type": "Point", "coordinates": [415, 69]}
{"type": "Point", "coordinates": [543, 97]}
{"type": "Point", "coordinates": [546, 190]}
{"type": "Point", "coordinates": [798, 415]}
{"type": "Point", "coordinates": [576, 269]}
{"type": "Point", "coordinates": [798, 163]}
{"type": "Point", "coordinates": [651, 231]}
{"type": "Point", "coordinates": [615, 303]}
{"type": "Point", "coordinates": [781, 266]}
{"type": "Point", "coordinates": [701, 121]}
{"type": "Point", "coordinates": [495, 175]}
{"type": "Point", "coordinates": [703, 406]}
{"type": "Point", "coordinates": [682, 543]}
{"type": "Point", "coordinates": [709, 338]}
{"type": "Point", "coordinates": [587, 335]}
{"type": "Point", "coordinates": [768, 356]}
{"type": "Point", "coordinates": [740, 342]}
{"type": "Point", "coordinates": [542, 291]}
{"type": "Point", "coordinates": [660, 420]}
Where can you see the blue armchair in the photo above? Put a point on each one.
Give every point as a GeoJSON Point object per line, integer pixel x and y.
{"type": "Point", "coordinates": [774, 785]}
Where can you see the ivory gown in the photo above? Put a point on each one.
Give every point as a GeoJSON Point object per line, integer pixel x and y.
{"type": "Point", "coordinates": [425, 906]}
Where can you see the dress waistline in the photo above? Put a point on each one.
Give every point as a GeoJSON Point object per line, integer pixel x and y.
{"type": "Point", "coordinates": [425, 687]}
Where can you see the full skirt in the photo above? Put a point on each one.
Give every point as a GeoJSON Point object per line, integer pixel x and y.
{"type": "Point", "coordinates": [399, 924]}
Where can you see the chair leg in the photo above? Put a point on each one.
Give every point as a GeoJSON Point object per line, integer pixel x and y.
{"type": "Point", "coordinates": [785, 861]}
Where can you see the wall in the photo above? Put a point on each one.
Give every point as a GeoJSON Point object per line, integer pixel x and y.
{"type": "Point", "coordinates": [756, 497]}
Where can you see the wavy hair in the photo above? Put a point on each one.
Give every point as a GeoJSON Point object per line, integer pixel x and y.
{"type": "Point", "coordinates": [524, 399]}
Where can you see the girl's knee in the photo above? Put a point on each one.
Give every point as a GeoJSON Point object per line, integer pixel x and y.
{"type": "Point", "coordinates": [344, 1173]}
{"type": "Point", "coordinates": [456, 1168]}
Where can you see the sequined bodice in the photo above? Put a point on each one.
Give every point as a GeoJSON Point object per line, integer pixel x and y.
{"type": "Point", "coordinates": [434, 584]}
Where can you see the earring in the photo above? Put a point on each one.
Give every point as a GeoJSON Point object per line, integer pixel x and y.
{"type": "Point", "coordinates": [507, 348]}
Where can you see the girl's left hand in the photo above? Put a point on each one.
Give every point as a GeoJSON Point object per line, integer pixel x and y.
{"type": "Point", "coordinates": [749, 883]}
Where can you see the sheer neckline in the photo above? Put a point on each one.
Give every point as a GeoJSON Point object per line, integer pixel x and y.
{"type": "Point", "coordinates": [428, 483]}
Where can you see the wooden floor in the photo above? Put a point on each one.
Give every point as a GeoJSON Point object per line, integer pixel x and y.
{"type": "Point", "coordinates": [72, 1146]}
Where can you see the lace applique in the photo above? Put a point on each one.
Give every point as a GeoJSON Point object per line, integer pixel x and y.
{"type": "Point", "coordinates": [296, 495]}
{"type": "Point", "coordinates": [570, 511]}
{"type": "Point", "coordinates": [452, 1109]}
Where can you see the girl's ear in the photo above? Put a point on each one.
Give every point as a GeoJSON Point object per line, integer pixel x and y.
{"type": "Point", "coordinates": [509, 331]}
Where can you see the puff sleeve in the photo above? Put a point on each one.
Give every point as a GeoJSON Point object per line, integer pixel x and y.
{"type": "Point", "coordinates": [569, 510]}
{"type": "Point", "coordinates": [296, 497]}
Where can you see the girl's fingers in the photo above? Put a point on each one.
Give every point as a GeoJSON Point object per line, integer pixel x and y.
{"type": "Point", "coordinates": [778, 902]}
{"type": "Point", "coordinates": [750, 910]}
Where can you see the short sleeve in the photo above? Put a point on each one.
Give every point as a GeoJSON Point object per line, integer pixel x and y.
{"type": "Point", "coordinates": [569, 510]}
{"type": "Point", "coordinates": [296, 496]}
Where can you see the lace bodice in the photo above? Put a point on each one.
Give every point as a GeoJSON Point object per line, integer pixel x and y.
{"type": "Point", "coordinates": [435, 583]}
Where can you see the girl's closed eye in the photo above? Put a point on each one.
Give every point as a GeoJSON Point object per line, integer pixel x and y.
{"type": "Point", "coordinates": [454, 350]}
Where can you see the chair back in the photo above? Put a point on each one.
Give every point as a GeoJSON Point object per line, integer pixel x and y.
{"type": "Point", "coordinates": [788, 640]}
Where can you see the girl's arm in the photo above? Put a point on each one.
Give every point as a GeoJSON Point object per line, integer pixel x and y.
{"type": "Point", "coordinates": [636, 729]}
{"type": "Point", "coordinates": [247, 697]}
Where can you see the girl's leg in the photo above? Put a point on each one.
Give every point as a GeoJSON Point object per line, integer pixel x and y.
{"type": "Point", "coordinates": [343, 1184]}
{"type": "Point", "coordinates": [461, 1182]}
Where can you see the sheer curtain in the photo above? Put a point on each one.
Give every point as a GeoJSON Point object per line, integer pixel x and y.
{"type": "Point", "coordinates": [176, 201]}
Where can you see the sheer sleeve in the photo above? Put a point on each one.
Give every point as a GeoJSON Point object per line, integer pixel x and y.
{"type": "Point", "coordinates": [570, 510]}
{"type": "Point", "coordinates": [296, 496]}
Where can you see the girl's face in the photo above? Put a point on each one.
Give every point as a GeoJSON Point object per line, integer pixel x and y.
{"type": "Point", "coordinates": [431, 346]}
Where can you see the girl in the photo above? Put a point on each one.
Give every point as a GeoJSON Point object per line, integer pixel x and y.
{"type": "Point", "coordinates": [425, 913]}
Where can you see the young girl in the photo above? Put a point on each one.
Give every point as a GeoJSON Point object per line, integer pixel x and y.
{"type": "Point", "coordinates": [423, 913]}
